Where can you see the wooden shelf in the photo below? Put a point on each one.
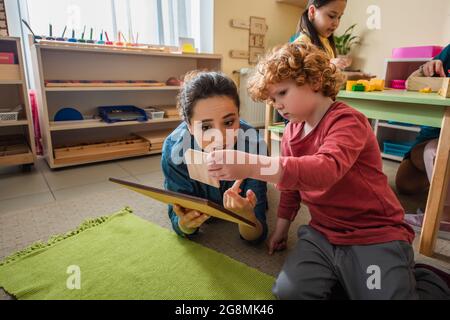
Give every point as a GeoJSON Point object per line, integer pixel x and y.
{"type": "Point", "coordinates": [13, 123]}
{"type": "Point", "coordinates": [399, 127]}
{"type": "Point", "coordinates": [53, 45]}
{"type": "Point", "coordinates": [11, 82]}
{"type": "Point", "coordinates": [118, 88]}
{"type": "Point", "coordinates": [15, 150]}
{"type": "Point", "coordinates": [86, 124]}
{"type": "Point", "coordinates": [297, 3]}
{"type": "Point", "coordinates": [391, 157]}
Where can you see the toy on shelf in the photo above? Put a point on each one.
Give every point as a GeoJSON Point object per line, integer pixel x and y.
{"type": "Point", "coordinates": [68, 114]}
{"type": "Point", "coordinates": [114, 114]}
{"type": "Point", "coordinates": [73, 39]}
{"type": "Point", "coordinates": [418, 83]}
{"type": "Point", "coordinates": [426, 90]}
{"type": "Point", "coordinates": [62, 36]}
{"type": "Point", "coordinates": [365, 85]}
{"type": "Point", "coordinates": [398, 84]}
{"type": "Point", "coordinates": [102, 83]}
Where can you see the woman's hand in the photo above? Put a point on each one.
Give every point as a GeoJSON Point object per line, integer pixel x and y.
{"type": "Point", "coordinates": [278, 239]}
{"type": "Point", "coordinates": [189, 220]}
{"type": "Point", "coordinates": [432, 68]}
{"type": "Point", "coordinates": [243, 206]}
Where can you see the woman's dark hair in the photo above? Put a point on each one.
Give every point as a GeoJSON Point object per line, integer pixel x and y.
{"type": "Point", "coordinates": [305, 25]}
{"type": "Point", "coordinates": [202, 85]}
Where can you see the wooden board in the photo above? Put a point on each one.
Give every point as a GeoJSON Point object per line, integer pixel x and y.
{"type": "Point", "coordinates": [198, 169]}
{"type": "Point", "coordinates": [101, 151]}
{"type": "Point", "coordinates": [10, 72]}
{"type": "Point", "coordinates": [155, 137]}
{"type": "Point", "coordinates": [186, 201]}
{"type": "Point", "coordinates": [418, 83]}
{"type": "Point", "coordinates": [445, 90]}
{"type": "Point", "coordinates": [101, 85]}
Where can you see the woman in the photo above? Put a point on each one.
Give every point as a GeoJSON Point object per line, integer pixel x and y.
{"type": "Point", "coordinates": [209, 105]}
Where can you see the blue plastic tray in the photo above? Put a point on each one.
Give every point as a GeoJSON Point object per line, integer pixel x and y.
{"type": "Point", "coordinates": [122, 113]}
{"type": "Point", "coordinates": [397, 148]}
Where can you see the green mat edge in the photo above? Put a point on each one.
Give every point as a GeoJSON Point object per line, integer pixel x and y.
{"type": "Point", "coordinates": [40, 246]}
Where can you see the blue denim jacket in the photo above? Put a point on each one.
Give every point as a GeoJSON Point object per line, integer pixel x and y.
{"type": "Point", "coordinates": [177, 176]}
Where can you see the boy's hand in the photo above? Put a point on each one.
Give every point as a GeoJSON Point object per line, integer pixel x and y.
{"type": "Point", "coordinates": [432, 68]}
{"type": "Point", "coordinates": [189, 220]}
{"type": "Point", "coordinates": [278, 239]}
{"type": "Point", "coordinates": [229, 165]}
{"type": "Point", "coordinates": [234, 202]}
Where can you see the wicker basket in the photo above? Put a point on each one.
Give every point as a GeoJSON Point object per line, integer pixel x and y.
{"type": "Point", "coordinates": [9, 116]}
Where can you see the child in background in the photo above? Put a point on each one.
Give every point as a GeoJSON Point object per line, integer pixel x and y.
{"type": "Point", "coordinates": [330, 161]}
{"type": "Point", "coordinates": [317, 26]}
{"type": "Point", "coordinates": [416, 170]}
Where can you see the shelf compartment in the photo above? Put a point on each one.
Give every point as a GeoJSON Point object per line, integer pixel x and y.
{"type": "Point", "coordinates": [96, 152]}
{"type": "Point", "coordinates": [14, 150]}
{"type": "Point", "coordinates": [97, 123]}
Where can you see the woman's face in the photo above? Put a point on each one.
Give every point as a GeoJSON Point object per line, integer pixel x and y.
{"type": "Point", "coordinates": [215, 123]}
{"type": "Point", "coordinates": [327, 18]}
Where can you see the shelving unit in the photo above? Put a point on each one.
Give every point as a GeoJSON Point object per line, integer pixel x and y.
{"type": "Point", "coordinates": [16, 136]}
{"type": "Point", "coordinates": [60, 61]}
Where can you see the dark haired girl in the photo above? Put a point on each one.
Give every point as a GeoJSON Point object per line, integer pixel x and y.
{"type": "Point", "coordinates": [209, 102]}
{"type": "Point", "coordinates": [317, 26]}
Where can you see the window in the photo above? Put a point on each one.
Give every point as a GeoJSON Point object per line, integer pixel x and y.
{"type": "Point", "coordinates": [150, 21]}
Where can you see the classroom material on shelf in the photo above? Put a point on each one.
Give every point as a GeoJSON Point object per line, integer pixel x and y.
{"type": "Point", "coordinates": [14, 150]}
{"type": "Point", "coordinates": [395, 148]}
{"type": "Point", "coordinates": [172, 81]}
{"type": "Point", "coordinates": [154, 113]}
{"type": "Point", "coordinates": [68, 114]}
{"type": "Point", "coordinates": [112, 114]}
{"type": "Point", "coordinates": [7, 58]}
{"type": "Point", "coordinates": [398, 84]}
{"type": "Point", "coordinates": [186, 201]}
{"type": "Point", "coordinates": [156, 138]}
{"type": "Point", "coordinates": [102, 83]}
{"type": "Point", "coordinates": [171, 112]}
{"type": "Point", "coordinates": [418, 83]}
{"type": "Point", "coordinates": [101, 151]}
{"type": "Point", "coordinates": [3, 20]}
{"type": "Point", "coordinates": [416, 52]}
{"type": "Point", "coordinates": [10, 114]}
{"type": "Point", "coordinates": [426, 90]}
{"type": "Point", "coordinates": [198, 168]}
{"type": "Point", "coordinates": [365, 85]}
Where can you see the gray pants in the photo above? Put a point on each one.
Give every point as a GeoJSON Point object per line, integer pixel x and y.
{"type": "Point", "coordinates": [316, 268]}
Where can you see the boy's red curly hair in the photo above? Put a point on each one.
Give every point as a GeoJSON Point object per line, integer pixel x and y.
{"type": "Point", "coordinates": [304, 63]}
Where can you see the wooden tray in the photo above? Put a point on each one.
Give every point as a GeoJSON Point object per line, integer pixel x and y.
{"type": "Point", "coordinates": [14, 150]}
{"type": "Point", "coordinates": [134, 146]}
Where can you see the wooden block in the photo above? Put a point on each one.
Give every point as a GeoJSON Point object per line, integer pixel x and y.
{"type": "Point", "coordinates": [198, 169]}
{"type": "Point", "coordinates": [10, 72]}
{"type": "Point", "coordinates": [418, 83]}
{"type": "Point", "coordinates": [445, 90]}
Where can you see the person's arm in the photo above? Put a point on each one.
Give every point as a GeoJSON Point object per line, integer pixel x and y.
{"type": "Point", "coordinates": [320, 171]}
{"type": "Point", "coordinates": [177, 180]}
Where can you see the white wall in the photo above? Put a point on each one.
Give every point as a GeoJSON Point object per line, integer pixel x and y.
{"type": "Point", "coordinates": [403, 23]}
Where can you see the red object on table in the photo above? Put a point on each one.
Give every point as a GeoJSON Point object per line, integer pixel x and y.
{"type": "Point", "coordinates": [6, 58]}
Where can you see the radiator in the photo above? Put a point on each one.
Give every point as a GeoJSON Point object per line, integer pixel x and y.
{"type": "Point", "coordinates": [252, 112]}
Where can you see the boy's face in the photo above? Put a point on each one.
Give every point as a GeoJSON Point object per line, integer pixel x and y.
{"type": "Point", "coordinates": [211, 119]}
{"type": "Point", "coordinates": [293, 102]}
{"type": "Point", "coordinates": [326, 19]}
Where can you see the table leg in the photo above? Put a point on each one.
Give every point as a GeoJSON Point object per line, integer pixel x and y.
{"type": "Point", "coordinates": [438, 191]}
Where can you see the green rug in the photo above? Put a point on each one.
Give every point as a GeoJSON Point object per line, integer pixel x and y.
{"type": "Point", "coordinates": [125, 257]}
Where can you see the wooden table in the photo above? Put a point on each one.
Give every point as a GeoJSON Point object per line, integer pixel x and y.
{"type": "Point", "coordinates": [419, 109]}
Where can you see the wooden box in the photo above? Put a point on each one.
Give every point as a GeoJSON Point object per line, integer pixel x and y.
{"type": "Point", "coordinates": [10, 72]}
